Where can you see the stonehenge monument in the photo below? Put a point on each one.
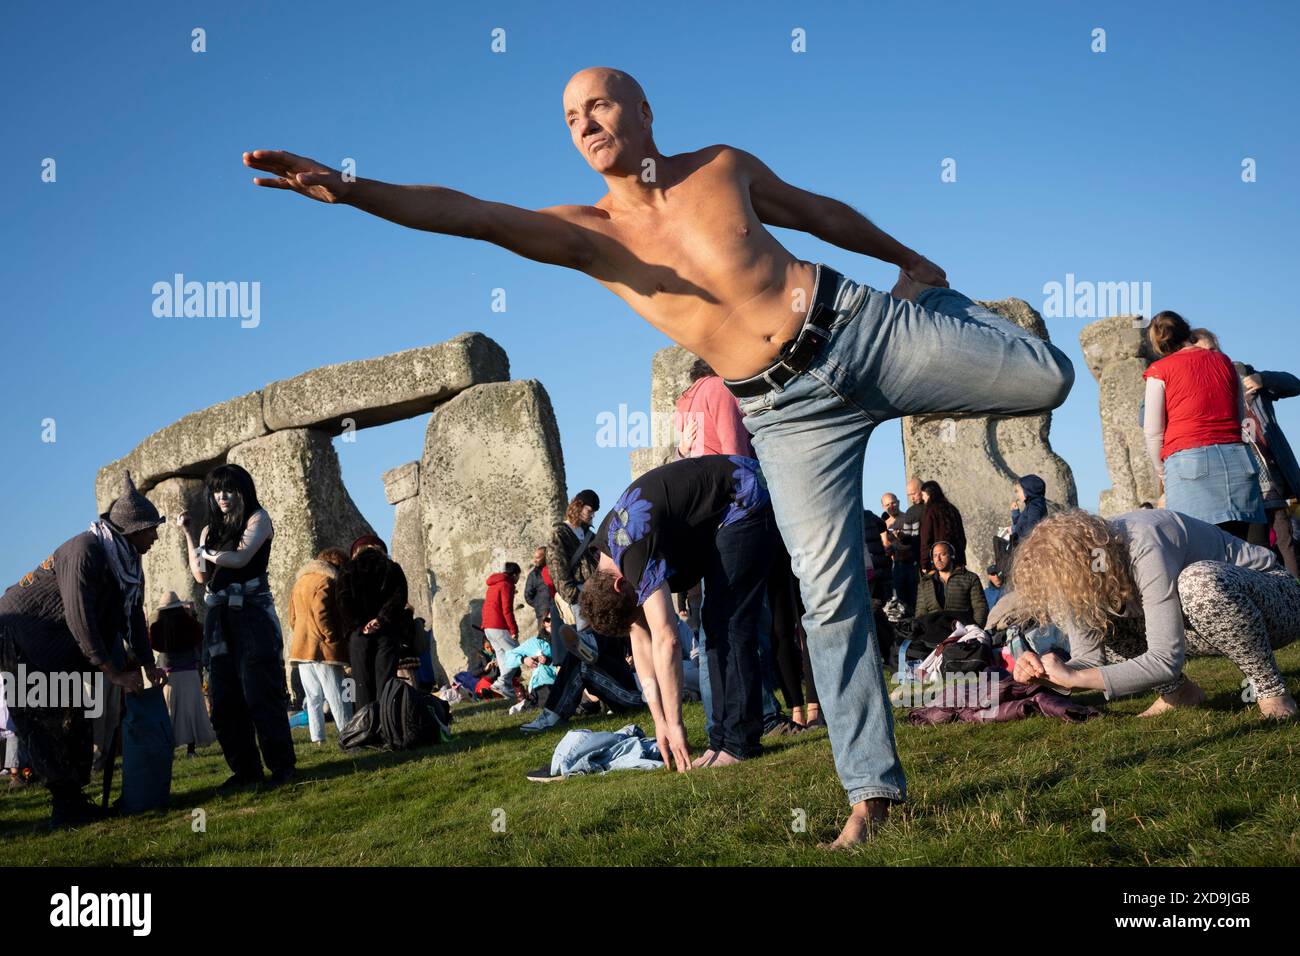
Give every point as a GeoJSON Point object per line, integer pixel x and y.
{"type": "Point", "coordinates": [1117, 353]}
{"type": "Point", "coordinates": [491, 478]}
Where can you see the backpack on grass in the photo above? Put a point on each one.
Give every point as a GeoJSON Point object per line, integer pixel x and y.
{"type": "Point", "coordinates": [401, 719]}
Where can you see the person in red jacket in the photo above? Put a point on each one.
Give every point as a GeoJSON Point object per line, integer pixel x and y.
{"type": "Point", "coordinates": [499, 617]}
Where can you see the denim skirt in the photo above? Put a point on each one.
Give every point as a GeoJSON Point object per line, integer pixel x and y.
{"type": "Point", "coordinates": [1214, 483]}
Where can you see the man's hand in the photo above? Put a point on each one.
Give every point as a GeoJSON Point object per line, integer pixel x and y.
{"type": "Point", "coordinates": [1252, 384]}
{"type": "Point", "coordinates": [921, 269]}
{"type": "Point", "coordinates": [1029, 668]}
{"type": "Point", "coordinates": [371, 626]}
{"type": "Point", "coordinates": [673, 747]}
{"type": "Point", "coordinates": [157, 675]}
{"type": "Point", "coordinates": [298, 173]}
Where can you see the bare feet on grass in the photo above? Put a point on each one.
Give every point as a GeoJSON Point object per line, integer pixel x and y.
{"type": "Point", "coordinates": [704, 759]}
{"type": "Point", "coordinates": [1278, 708]}
{"type": "Point", "coordinates": [724, 759]}
{"type": "Point", "coordinates": [1188, 695]}
{"type": "Point", "coordinates": [862, 822]}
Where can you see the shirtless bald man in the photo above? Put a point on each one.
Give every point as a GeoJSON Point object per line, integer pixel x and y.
{"type": "Point", "coordinates": [817, 360]}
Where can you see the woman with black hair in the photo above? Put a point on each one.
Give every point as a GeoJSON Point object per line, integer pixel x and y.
{"type": "Point", "coordinates": [941, 522]}
{"type": "Point", "coordinates": [242, 644]}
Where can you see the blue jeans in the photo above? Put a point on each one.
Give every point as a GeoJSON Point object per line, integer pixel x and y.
{"type": "Point", "coordinates": [323, 683]}
{"type": "Point", "coordinates": [886, 358]}
{"type": "Point", "coordinates": [706, 689]}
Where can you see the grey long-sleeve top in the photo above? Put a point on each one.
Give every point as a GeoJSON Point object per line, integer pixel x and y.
{"type": "Point", "coordinates": [1161, 544]}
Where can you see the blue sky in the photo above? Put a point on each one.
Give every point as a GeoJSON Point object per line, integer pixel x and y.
{"type": "Point", "coordinates": [1115, 166]}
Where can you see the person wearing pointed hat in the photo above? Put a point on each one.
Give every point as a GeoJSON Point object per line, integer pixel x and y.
{"type": "Point", "coordinates": [81, 612]}
{"type": "Point", "coordinates": [176, 635]}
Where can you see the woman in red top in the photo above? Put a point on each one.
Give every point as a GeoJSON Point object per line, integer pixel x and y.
{"type": "Point", "coordinates": [1194, 411]}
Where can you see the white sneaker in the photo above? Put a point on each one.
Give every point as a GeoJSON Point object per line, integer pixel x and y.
{"type": "Point", "coordinates": [501, 690]}
{"type": "Point", "coordinates": [546, 721]}
{"type": "Point", "coordinates": [517, 707]}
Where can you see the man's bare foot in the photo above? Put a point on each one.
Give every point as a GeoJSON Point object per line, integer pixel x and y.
{"type": "Point", "coordinates": [1279, 708]}
{"type": "Point", "coordinates": [724, 759]}
{"type": "Point", "coordinates": [908, 288]}
{"type": "Point", "coordinates": [1188, 695]}
{"type": "Point", "coordinates": [704, 759]}
{"type": "Point", "coordinates": [864, 819]}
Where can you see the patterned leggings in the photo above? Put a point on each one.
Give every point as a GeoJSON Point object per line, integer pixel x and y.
{"type": "Point", "coordinates": [1232, 612]}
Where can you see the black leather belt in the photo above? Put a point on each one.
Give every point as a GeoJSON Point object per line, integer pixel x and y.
{"type": "Point", "coordinates": [798, 353]}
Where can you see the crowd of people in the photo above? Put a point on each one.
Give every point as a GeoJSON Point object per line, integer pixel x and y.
{"type": "Point", "coordinates": [685, 590]}
{"type": "Point", "coordinates": [751, 551]}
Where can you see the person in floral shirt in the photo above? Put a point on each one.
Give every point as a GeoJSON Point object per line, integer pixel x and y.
{"type": "Point", "coordinates": [709, 519]}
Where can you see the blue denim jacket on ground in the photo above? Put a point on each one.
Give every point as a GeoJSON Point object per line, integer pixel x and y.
{"type": "Point", "coordinates": [589, 751]}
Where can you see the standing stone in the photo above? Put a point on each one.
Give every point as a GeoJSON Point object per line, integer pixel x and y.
{"type": "Point", "coordinates": [977, 459]}
{"type": "Point", "coordinates": [491, 488]}
{"type": "Point", "coordinates": [402, 489]}
{"type": "Point", "coordinates": [166, 565]}
{"type": "Point", "coordinates": [1117, 353]}
{"type": "Point", "coordinates": [299, 484]}
{"type": "Point", "coordinates": [670, 375]}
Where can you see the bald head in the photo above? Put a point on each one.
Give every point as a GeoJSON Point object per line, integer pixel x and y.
{"type": "Point", "coordinates": [609, 120]}
{"type": "Point", "coordinates": [914, 491]}
{"type": "Point", "coordinates": [615, 83]}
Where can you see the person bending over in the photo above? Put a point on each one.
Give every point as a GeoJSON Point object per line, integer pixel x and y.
{"type": "Point", "coordinates": [1092, 577]}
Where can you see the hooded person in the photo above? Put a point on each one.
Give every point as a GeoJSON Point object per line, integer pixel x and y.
{"type": "Point", "coordinates": [375, 616]}
{"type": "Point", "coordinates": [1032, 506]}
{"type": "Point", "coordinates": [81, 612]}
{"type": "Point", "coordinates": [499, 625]}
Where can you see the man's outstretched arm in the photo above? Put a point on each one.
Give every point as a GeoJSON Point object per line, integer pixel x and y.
{"type": "Point", "coordinates": [777, 203]}
{"type": "Point", "coordinates": [547, 235]}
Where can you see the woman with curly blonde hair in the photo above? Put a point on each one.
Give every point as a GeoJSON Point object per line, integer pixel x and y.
{"type": "Point", "coordinates": [1103, 582]}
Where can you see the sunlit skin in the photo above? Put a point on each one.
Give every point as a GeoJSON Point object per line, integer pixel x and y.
{"type": "Point", "coordinates": [682, 239]}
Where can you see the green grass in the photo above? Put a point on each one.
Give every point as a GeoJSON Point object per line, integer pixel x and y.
{"type": "Point", "coordinates": [1216, 786]}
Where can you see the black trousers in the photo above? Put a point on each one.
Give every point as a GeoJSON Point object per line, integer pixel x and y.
{"type": "Point", "coordinates": [374, 659]}
{"type": "Point", "coordinates": [735, 581]}
{"type": "Point", "coordinates": [793, 667]}
{"type": "Point", "coordinates": [247, 687]}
